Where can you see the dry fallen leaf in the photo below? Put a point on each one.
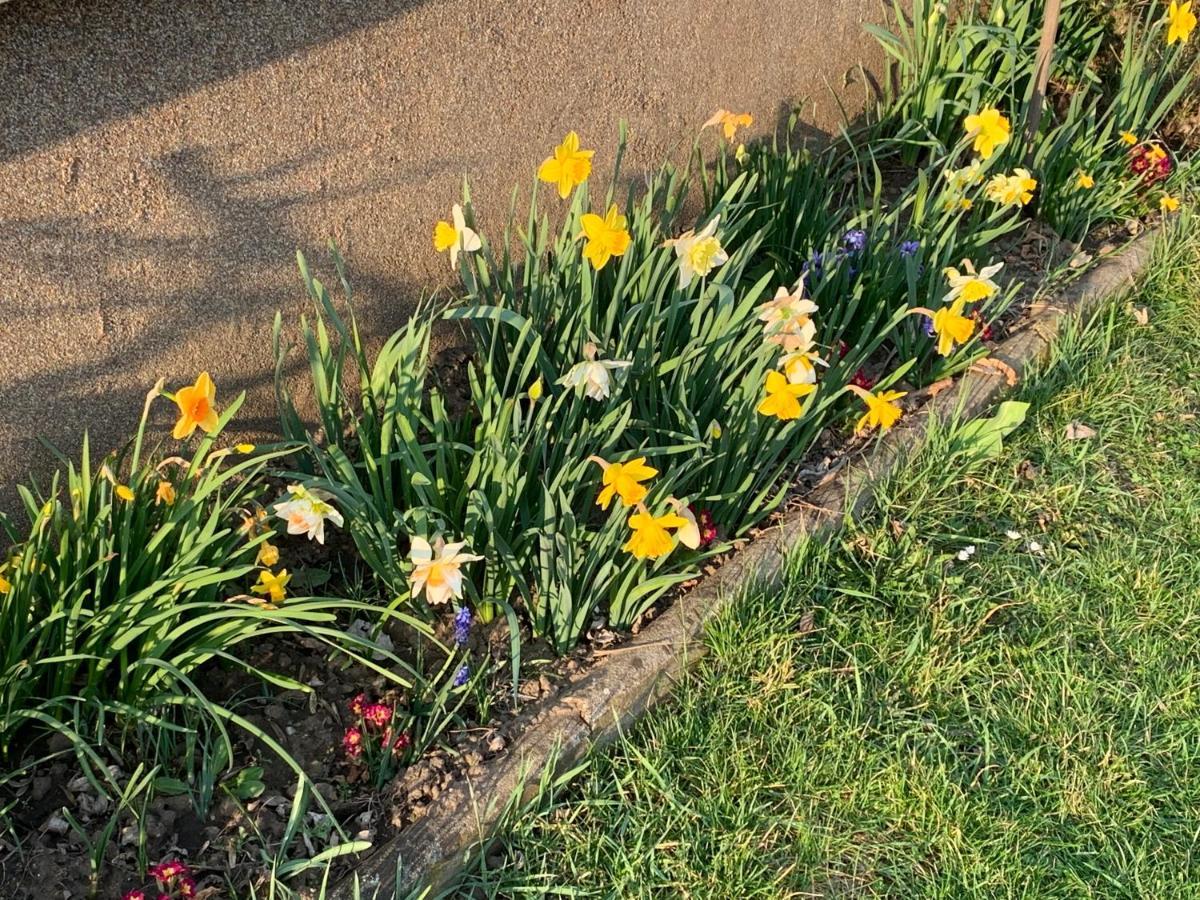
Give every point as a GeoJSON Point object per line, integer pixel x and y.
{"type": "Point", "coordinates": [938, 386]}
{"type": "Point", "coordinates": [1141, 314]}
{"type": "Point", "coordinates": [992, 366]}
{"type": "Point", "coordinates": [1080, 259]}
{"type": "Point", "coordinates": [1077, 431]}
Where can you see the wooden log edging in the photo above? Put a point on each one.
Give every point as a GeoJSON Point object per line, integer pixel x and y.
{"type": "Point", "coordinates": [430, 853]}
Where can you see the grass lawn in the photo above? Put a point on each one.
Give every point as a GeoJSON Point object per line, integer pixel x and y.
{"type": "Point", "coordinates": [910, 719]}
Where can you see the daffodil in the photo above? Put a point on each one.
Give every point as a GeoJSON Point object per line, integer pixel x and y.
{"type": "Point", "coordinates": [1167, 203]}
{"type": "Point", "coordinates": [714, 431]}
{"type": "Point", "coordinates": [989, 128]}
{"type": "Point", "coordinates": [800, 366]}
{"type": "Point", "coordinates": [272, 586]}
{"type": "Point", "coordinates": [949, 324]}
{"type": "Point", "coordinates": [688, 533]}
{"type": "Point", "coordinates": [623, 480]}
{"type": "Point", "coordinates": [698, 254]}
{"type": "Point", "coordinates": [967, 176]}
{"type": "Point", "coordinates": [568, 167]}
{"type": "Point", "coordinates": [882, 410]}
{"type": "Point", "coordinates": [782, 397]}
{"type": "Point", "coordinates": [593, 374]}
{"type": "Point", "coordinates": [165, 493]}
{"type": "Point", "coordinates": [740, 154]}
{"type": "Point", "coordinates": [651, 538]}
{"type": "Point", "coordinates": [455, 236]}
{"type": "Point", "coordinates": [729, 122]}
{"type": "Point", "coordinates": [1180, 22]}
{"type": "Point", "coordinates": [536, 390]}
{"type": "Point", "coordinates": [971, 286]}
{"type": "Point", "coordinates": [268, 554]}
{"type": "Point", "coordinates": [1129, 138]}
{"type": "Point", "coordinates": [1012, 190]}
{"type": "Point", "coordinates": [5, 584]}
{"type": "Point", "coordinates": [787, 319]}
{"type": "Point", "coordinates": [124, 492]}
{"type": "Point", "coordinates": [196, 408]}
{"type": "Point", "coordinates": [244, 448]}
{"type": "Point", "coordinates": [1084, 181]}
{"type": "Point", "coordinates": [307, 512]}
{"type": "Point", "coordinates": [606, 237]}
{"type": "Point", "coordinates": [437, 569]}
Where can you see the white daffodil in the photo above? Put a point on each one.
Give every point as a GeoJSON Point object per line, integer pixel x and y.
{"type": "Point", "coordinates": [307, 512]}
{"type": "Point", "coordinates": [593, 374]}
{"type": "Point", "coordinates": [688, 534]}
{"type": "Point", "coordinates": [455, 236]}
{"type": "Point", "coordinates": [698, 254]}
{"type": "Point", "coordinates": [437, 569]}
{"type": "Point", "coordinates": [971, 286]}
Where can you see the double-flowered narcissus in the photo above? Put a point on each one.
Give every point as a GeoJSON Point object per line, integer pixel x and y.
{"type": "Point", "coordinates": [437, 569]}
{"type": "Point", "coordinates": [651, 536]}
{"type": "Point", "coordinates": [197, 408]}
{"type": "Point", "coordinates": [782, 398]}
{"type": "Point", "coordinates": [604, 237]}
{"type": "Point", "coordinates": [569, 167]}
{"type": "Point", "coordinates": [990, 130]}
{"type": "Point", "coordinates": [1180, 22]}
{"type": "Point", "coordinates": [455, 236]}
{"type": "Point", "coordinates": [623, 480]}
{"type": "Point", "coordinates": [698, 253]}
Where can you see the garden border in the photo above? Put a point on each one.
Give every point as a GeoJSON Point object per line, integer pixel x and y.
{"type": "Point", "coordinates": [626, 682]}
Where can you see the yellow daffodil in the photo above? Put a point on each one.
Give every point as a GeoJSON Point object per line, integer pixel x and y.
{"type": "Point", "coordinates": [740, 154]}
{"type": "Point", "coordinates": [1084, 181]}
{"type": "Point", "coordinates": [536, 391]}
{"type": "Point", "coordinates": [787, 319]}
{"type": "Point", "coordinates": [1129, 138]}
{"type": "Point", "coordinates": [698, 254]}
{"type": "Point", "coordinates": [1012, 190]}
{"type": "Point", "coordinates": [782, 399]}
{"type": "Point", "coordinates": [990, 130]}
{"type": "Point", "coordinates": [1167, 203]}
{"type": "Point", "coordinates": [593, 374]}
{"type": "Point", "coordinates": [650, 538]}
{"type": "Point", "coordinates": [437, 569]}
{"type": "Point", "coordinates": [272, 586]}
{"type": "Point", "coordinates": [623, 480]}
{"type": "Point", "coordinates": [1180, 22]}
{"type": "Point", "coordinates": [268, 554]}
{"type": "Point", "coordinates": [244, 448]}
{"type": "Point", "coordinates": [949, 324]}
{"type": "Point", "coordinates": [196, 408]}
{"type": "Point", "coordinates": [124, 492]}
{"type": "Point", "coordinates": [971, 286]}
{"type": "Point", "coordinates": [688, 533]}
{"type": "Point", "coordinates": [606, 238]}
{"type": "Point", "coordinates": [882, 410]}
{"type": "Point", "coordinates": [5, 584]}
{"type": "Point", "coordinates": [165, 493]}
{"type": "Point", "coordinates": [568, 167]}
{"type": "Point", "coordinates": [729, 122]}
{"type": "Point", "coordinates": [967, 176]}
{"type": "Point", "coordinates": [455, 236]}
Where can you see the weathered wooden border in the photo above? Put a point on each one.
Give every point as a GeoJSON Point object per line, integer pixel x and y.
{"type": "Point", "coordinates": [620, 687]}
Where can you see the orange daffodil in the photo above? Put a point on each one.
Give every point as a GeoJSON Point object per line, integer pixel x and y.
{"type": "Point", "coordinates": [605, 237]}
{"type": "Point", "coordinates": [307, 512]}
{"type": "Point", "coordinates": [437, 569]}
{"type": "Point", "coordinates": [698, 254]}
{"type": "Point", "coordinates": [196, 408]}
{"type": "Point", "coordinates": [623, 480]}
{"type": "Point", "coordinates": [593, 374]}
{"type": "Point", "coordinates": [1180, 22]}
{"type": "Point", "coordinates": [990, 130]}
{"type": "Point", "coordinates": [569, 167]}
{"type": "Point", "coordinates": [455, 236]}
{"type": "Point", "coordinates": [729, 122]}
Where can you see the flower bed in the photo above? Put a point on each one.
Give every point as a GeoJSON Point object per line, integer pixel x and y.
{"type": "Point", "coordinates": [362, 607]}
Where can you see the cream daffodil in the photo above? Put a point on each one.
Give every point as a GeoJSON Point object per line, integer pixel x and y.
{"type": "Point", "coordinates": [689, 533]}
{"type": "Point", "coordinates": [307, 512]}
{"type": "Point", "coordinates": [593, 374]}
{"type": "Point", "coordinates": [455, 236]}
{"type": "Point", "coordinates": [698, 253]}
{"type": "Point", "coordinates": [1012, 190]}
{"type": "Point", "coordinates": [623, 480]}
{"type": "Point", "coordinates": [971, 286]}
{"type": "Point", "coordinates": [800, 366]}
{"type": "Point", "coordinates": [437, 569]}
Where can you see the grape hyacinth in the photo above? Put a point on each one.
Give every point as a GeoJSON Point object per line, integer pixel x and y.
{"type": "Point", "coordinates": [462, 676]}
{"type": "Point", "coordinates": [909, 249]}
{"type": "Point", "coordinates": [462, 626]}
